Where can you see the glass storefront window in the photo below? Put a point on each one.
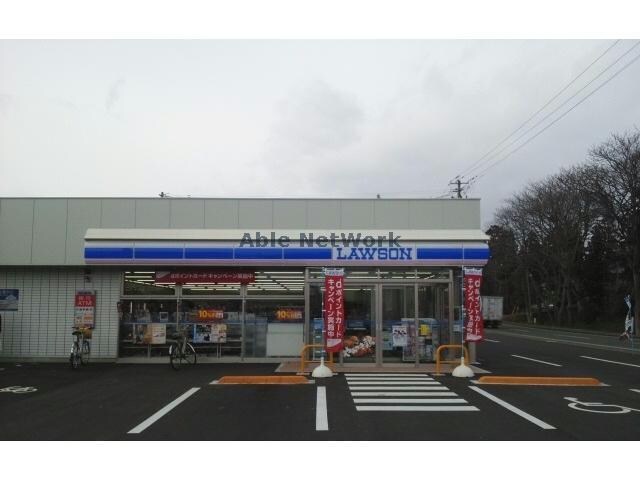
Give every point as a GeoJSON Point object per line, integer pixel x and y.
{"type": "Point", "coordinates": [145, 322]}
{"type": "Point", "coordinates": [360, 328]}
{"type": "Point", "coordinates": [317, 273]}
{"type": "Point", "coordinates": [274, 328]}
{"type": "Point", "coordinates": [211, 289]}
{"type": "Point", "coordinates": [277, 282]}
{"type": "Point", "coordinates": [214, 326]}
{"type": "Point", "coordinates": [434, 273]}
{"type": "Point", "coordinates": [143, 283]}
{"type": "Point", "coordinates": [398, 274]}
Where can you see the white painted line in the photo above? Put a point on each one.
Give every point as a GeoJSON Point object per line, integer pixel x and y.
{"type": "Point", "coordinates": [611, 361]}
{"type": "Point", "coordinates": [411, 408]}
{"type": "Point", "coordinates": [635, 390]}
{"type": "Point", "coordinates": [398, 388]}
{"type": "Point", "coordinates": [571, 336]}
{"type": "Point", "coordinates": [386, 375]}
{"type": "Point", "coordinates": [515, 410]}
{"type": "Point", "coordinates": [322, 420]}
{"type": "Point", "coordinates": [403, 394]}
{"type": "Point", "coordinates": [163, 411]}
{"type": "Point", "coordinates": [430, 382]}
{"type": "Point", "coordinates": [492, 341]}
{"type": "Point", "coordinates": [409, 400]}
{"type": "Point", "coordinates": [534, 360]}
{"type": "Point", "coordinates": [215, 382]}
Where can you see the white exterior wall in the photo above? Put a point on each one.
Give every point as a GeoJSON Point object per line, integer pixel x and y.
{"type": "Point", "coordinates": [41, 328]}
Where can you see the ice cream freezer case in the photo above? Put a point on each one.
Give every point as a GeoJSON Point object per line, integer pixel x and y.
{"type": "Point", "coordinates": [424, 340]}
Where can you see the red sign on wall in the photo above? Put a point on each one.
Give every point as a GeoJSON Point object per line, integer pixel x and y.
{"type": "Point", "coordinates": [205, 277]}
{"type": "Point", "coordinates": [334, 308]}
{"type": "Point", "coordinates": [474, 330]}
{"type": "Point", "coordinates": [85, 309]}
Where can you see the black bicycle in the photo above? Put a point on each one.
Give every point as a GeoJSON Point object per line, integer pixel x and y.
{"type": "Point", "coordinates": [181, 352]}
{"type": "Point", "coordinates": [80, 349]}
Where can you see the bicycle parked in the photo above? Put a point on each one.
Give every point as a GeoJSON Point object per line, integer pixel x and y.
{"type": "Point", "coordinates": [80, 350]}
{"type": "Point", "coordinates": [181, 352]}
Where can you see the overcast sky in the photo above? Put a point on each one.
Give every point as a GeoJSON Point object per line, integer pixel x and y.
{"type": "Point", "coordinates": [296, 118]}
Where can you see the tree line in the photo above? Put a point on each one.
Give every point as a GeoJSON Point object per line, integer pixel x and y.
{"type": "Point", "coordinates": [566, 250]}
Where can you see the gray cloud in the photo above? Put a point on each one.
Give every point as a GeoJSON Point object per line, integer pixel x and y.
{"type": "Point", "coordinates": [113, 95]}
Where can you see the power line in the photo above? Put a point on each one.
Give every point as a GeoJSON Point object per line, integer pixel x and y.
{"type": "Point", "coordinates": [538, 123]}
{"type": "Point", "coordinates": [484, 171]}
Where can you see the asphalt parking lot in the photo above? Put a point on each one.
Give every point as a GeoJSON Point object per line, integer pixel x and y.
{"type": "Point", "coordinates": [153, 402]}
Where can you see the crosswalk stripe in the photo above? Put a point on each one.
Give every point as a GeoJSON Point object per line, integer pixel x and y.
{"type": "Point", "coordinates": [395, 383]}
{"type": "Point", "coordinates": [386, 375]}
{"type": "Point", "coordinates": [397, 388]}
{"type": "Point", "coordinates": [403, 394]}
{"type": "Point", "coordinates": [412, 408]}
{"type": "Point", "coordinates": [389, 378]}
{"type": "Point", "coordinates": [409, 400]}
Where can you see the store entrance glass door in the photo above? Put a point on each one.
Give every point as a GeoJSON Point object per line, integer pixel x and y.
{"type": "Point", "coordinates": [397, 321]}
{"type": "Point", "coordinates": [360, 341]}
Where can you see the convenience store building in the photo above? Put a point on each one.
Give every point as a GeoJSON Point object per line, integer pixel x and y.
{"type": "Point", "coordinates": [243, 277]}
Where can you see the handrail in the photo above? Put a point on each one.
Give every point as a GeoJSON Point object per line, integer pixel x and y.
{"type": "Point", "coordinates": [302, 355]}
{"type": "Point", "coordinates": [465, 355]}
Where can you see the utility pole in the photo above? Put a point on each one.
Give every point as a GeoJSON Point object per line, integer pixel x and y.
{"type": "Point", "coordinates": [458, 186]}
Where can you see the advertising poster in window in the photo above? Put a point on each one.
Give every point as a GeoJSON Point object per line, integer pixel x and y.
{"type": "Point", "coordinates": [85, 309]}
{"type": "Point", "coordinates": [474, 329]}
{"type": "Point", "coordinates": [334, 308]}
{"type": "Point", "coordinates": [211, 333]}
{"type": "Point", "coordinates": [399, 335]}
{"type": "Point", "coordinates": [9, 299]}
{"type": "Point", "coordinates": [150, 334]}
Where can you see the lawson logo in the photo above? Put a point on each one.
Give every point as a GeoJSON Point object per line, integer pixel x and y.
{"type": "Point", "coordinates": [373, 253]}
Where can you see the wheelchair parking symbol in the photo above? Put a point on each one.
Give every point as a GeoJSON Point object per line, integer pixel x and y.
{"type": "Point", "coordinates": [597, 407]}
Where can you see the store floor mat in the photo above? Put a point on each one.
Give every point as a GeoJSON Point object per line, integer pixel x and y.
{"type": "Point", "coordinates": [263, 380]}
{"type": "Point", "coordinates": [403, 393]}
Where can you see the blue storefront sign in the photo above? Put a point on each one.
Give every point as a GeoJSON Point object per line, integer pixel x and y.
{"type": "Point", "coordinates": [9, 299]}
{"type": "Point", "coordinates": [326, 250]}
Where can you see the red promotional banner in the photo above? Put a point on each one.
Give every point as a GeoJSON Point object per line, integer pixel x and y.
{"type": "Point", "coordinates": [205, 277]}
{"type": "Point", "coordinates": [334, 308]}
{"type": "Point", "coordinates": [474, 330]}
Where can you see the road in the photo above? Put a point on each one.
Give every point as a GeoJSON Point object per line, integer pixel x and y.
{"type": "Point", "coordinates": [152, 402]}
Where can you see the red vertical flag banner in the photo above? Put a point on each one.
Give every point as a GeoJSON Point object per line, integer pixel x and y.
{"type": "Point", "coordinates": [474, 330]}
{"type": "Point", "coordinates": [334, 308]}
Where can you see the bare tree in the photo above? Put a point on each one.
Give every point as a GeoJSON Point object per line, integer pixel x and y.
{"type": "Point", "coordinates": [614, 181]}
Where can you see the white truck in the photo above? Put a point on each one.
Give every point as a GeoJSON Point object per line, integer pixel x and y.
{"type": "Point", "coordinates": [492, 311]}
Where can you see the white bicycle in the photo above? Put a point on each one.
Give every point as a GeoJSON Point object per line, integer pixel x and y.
{"type": "Point", "coordinates": [598, 407]}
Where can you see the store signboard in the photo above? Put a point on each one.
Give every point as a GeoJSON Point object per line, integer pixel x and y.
{"type": "Point", "coordinates": [9, 299]}
{"type": "Point", "coordinates": [204, 277]}
{"type": "Point", "coordinates": [289, 314]}
{"type": "Point", "coordinates": [334, 308]}
{"type": "Point", "coordinates": [210, 315]}
{"type": "Point", "coordinates": [474, 329]}
{"type": "Point", "coordinates": [85, 309]}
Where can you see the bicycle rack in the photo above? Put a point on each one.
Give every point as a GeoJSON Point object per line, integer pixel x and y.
{"type": "Point", "coordinates": [304, 361]}
{"type": "Point", "coordinates": [444, 347]}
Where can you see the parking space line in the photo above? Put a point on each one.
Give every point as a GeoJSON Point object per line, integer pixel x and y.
{"type": "Point", "coordinates": [515, 410]}
{"type": "Point", "coordinates": [635, 390]}
{"type": "Point", "coordinates": [610, 361]}
{"type": "Point", "coordinates": [534, 360]}
{"type": "Point", "coordinates": [572, 336]}
{"type": "Point", "coordinates": [163, 411]}
{"type": "Point", "coordinates": [322, 420]}
{"type": "Point", "coordinates": [492, 341]}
